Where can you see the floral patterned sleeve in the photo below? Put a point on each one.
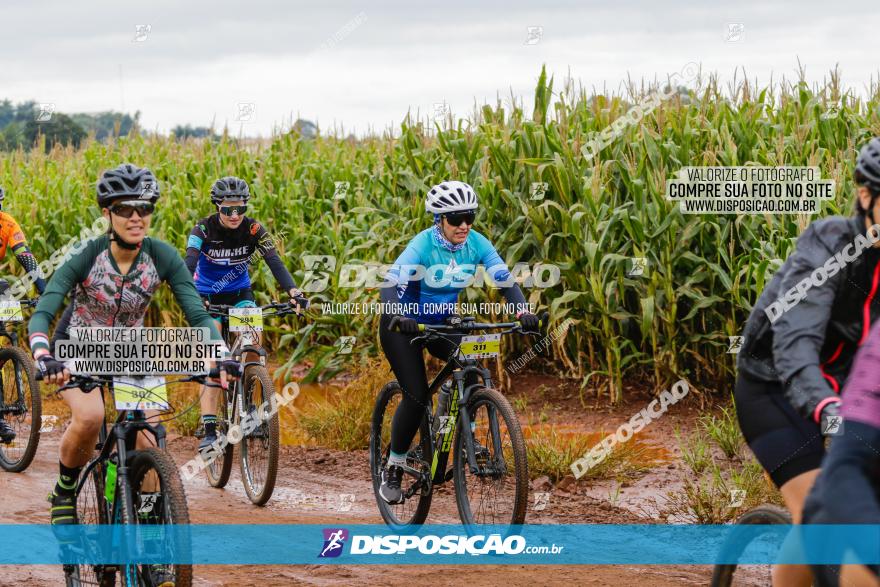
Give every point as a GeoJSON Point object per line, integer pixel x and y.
{"type": "Point", "coordinates": [71, 272]}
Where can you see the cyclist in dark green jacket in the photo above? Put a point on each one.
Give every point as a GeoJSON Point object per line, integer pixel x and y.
{"type": "Point", "coordinates": [112, 280]}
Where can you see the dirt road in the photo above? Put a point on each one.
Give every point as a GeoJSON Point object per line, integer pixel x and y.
{"type": "Point", "coordinates": [309, 492]}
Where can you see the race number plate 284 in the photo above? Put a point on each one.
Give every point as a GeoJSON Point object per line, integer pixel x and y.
{"type": "Point", "coordinates": [10, 311]}
{"type": "Point", "coordinates": [482, 346]}
{"type": "Point", "coordinates": [245, 319]}
{"type": "Point", "coordinates": [140, 393]}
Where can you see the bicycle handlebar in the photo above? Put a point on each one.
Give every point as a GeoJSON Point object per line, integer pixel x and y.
{"type": "Point", "coordinates": [281, 308]}
{"type": "Point", "coordinates": [468, 323]}
{"type": "Point", "coordinates": [89, 382]}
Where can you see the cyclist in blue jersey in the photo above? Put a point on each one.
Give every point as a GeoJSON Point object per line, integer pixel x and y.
{"type": "Point", "coordinates": [430, 273]}
{"type": "Point", "coordinates": [219, 251]}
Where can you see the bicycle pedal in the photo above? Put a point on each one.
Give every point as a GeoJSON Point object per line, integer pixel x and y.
{"type": "Point", "coordinates": [449, 474]}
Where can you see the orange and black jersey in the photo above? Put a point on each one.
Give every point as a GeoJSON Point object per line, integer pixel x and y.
{"type": "Point", "coordinates": [12, 238]}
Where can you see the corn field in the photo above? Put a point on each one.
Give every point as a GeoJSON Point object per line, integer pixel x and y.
{"type": "Point", "coordinates": [703, 271]}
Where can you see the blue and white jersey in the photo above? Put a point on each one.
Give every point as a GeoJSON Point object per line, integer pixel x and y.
{"type": "Point", "coordinates": [430, 277]}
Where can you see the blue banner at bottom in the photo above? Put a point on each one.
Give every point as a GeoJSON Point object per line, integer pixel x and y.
{"type": "Point", "coordinates": [440, 544]}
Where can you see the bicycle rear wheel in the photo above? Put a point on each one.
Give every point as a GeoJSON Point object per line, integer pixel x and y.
{"type": "Point", "coordinates": [417, 489]}
{"type": "Point", "coordinates": [220, 465]}
{"type": "Point", "coordinates": [158, 498]}
{"type": "Point", "coordinates": [498, 492]}
{"type": "Point", "coordinates": [21, 407]}
{"type": "Point", "coordinates": [258, 453]}
{"type": "Point", "coordinates": [726, 575]}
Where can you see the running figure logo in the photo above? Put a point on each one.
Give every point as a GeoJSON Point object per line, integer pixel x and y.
{"type": "Point", "coordinates": [334, 540]}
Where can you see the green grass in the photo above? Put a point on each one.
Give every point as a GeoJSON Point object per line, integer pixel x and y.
{"type": "Point", "coordinates": [724, 430]}
{"type": "Point", "coordinates": [551, 453]}
{"type": "Point", "coordinates": [696, 452]}
{"type": "Point", "coordinates": [707, 495]}
{"type": "Point", "coordinates": [342, 420]}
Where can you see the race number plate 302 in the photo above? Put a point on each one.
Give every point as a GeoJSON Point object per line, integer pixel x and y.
{"type": "Point", "coordinates": [10, 311]}
{"type": "Point", "coordinates": [482, 346]}
{"type": "Point", "coordinates": [245, 319]}
{"type": "Point", "coordinates": [140, 393]}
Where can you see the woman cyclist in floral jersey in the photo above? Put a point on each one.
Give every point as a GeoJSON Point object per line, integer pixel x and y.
{"type": "Point", "coordinates": [112, 280]}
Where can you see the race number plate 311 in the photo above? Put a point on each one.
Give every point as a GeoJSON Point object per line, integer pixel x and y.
{"type": "Point", "coordinates": [140, 393]}
{"type": "Point", "coordinates": [245, 319]}
{"type": "Point", "coordinates": [481, 346]}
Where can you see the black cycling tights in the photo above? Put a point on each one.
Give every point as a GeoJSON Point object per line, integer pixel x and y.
{"type": "Point", "coordinates": [408, 363]}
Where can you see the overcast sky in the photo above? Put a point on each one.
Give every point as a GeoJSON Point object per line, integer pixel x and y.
{"type": "Point", "coordinates": [362, 66]}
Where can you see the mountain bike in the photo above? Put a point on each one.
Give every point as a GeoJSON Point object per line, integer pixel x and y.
{"type": "Point", "coordinates": [253, 394]}
{"type": "Point", "coordinates": [118, 486]}
{"type": "Point", "coordinates": [475, 422]}
{"type": "Point", "coordinates": [726, 575]}
{"type": "Point", "coordinates": [20, 401]}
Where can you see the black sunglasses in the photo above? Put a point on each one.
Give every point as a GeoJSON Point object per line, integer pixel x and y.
{"type": "Point", "coordinates": [230, 210]}
{"type": "Point", "coordinates": [456, 218]}
{"type": "Point", "coordinates": [127, 210]}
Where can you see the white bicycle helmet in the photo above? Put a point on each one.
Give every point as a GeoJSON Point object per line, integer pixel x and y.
{"type": "Point", "coordinates": [451, 196]}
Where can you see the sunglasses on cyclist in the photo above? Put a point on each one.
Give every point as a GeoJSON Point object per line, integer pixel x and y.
{"type": "Point", "coordinates": [230, 210]}
{"type": "Point", "coordinates": [128, 209]}
{"type": "Point", "coordinates": [456, 218]}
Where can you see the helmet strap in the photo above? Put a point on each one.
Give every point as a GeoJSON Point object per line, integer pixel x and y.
{"type": "Point", "coordinates": [869, 212]}
{"type": "Point", "coordinates": [115, 238]}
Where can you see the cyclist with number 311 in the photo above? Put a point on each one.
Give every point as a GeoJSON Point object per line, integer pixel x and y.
{"type": "Point", "coordinates": [452, 244]}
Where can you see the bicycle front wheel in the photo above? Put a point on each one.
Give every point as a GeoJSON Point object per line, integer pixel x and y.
{"type": "Point", "coordinates": [220, 463]}
{"type": "Point", "coordinates": [158, 498]}
{"type": "Point", "coordinates": [258, 453]}
{"type": "Point", "coordinates": [416, 489]}
{"type": "Point", "coordinates": [21, 407]}
{"type": "Point", "coordinates": [726, 575]}
{"type": "Point", "coordinates": [91, 508]}
{"type": "Point", "coordinates": [497, 491]}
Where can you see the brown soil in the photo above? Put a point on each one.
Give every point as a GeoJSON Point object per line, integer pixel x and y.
{"type": "Point", "coordinates": [311, 480]}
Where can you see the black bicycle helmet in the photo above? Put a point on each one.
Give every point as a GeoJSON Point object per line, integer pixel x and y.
{"type": "Point", "coordinates": [230, 188]}
{"type": "Point", "coordinates": [127, 181]}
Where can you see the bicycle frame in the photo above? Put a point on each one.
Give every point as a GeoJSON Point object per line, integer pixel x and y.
{"type": "Point", "coordinates": [239, 350]}
{"type": "Point", "coordinates": [459, 367]}
{"type": "Point", "coordinates": [459, 370]}
{"type": "Point", "coordinates": [122, 436]}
